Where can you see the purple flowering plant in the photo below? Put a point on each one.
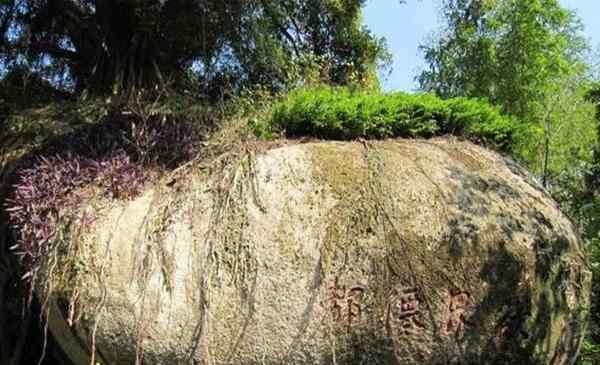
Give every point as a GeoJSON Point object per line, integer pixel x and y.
{"type": "Point", "coordinates": [115, 156]}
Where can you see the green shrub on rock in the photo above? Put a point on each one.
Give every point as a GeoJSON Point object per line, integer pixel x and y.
{"type": "Point", "coordinates": [341, 113]}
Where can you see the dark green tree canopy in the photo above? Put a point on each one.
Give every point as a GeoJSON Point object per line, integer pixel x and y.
{"type": "Point", "coordinates": [123, 45]}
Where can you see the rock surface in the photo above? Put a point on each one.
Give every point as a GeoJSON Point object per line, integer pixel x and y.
{"type": "Point", "coordinates": [391, 252]}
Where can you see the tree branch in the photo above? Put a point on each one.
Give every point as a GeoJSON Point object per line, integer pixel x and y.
{"type": "Point", "coordinates": [4, 25]}
{"type": "Point", "coordinates": [290, 15]}
{"type": "Point", "coordinates": [53, 50]}
{"type": "Point", "coordinates": [282, 29]}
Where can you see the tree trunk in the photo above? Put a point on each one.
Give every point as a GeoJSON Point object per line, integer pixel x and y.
{"type": "Point", "coordinates": [548, 124]}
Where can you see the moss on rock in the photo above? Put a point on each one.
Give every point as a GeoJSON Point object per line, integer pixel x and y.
{"type": "Point", "coordinates": [398, 251]}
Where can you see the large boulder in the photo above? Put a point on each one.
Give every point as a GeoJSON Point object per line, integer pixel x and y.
{"type": "Point", "coordinates": [393, 252]}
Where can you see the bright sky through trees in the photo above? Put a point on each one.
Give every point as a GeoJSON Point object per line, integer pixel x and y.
{"type": "Point", "coordinates": [405, 26]}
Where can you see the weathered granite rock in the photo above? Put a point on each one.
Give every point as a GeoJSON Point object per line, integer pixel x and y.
{"type": "Point", "coordinates": [392, 252]}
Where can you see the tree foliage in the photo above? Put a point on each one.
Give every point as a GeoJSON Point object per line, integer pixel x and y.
{"type": "Point", "coordinates": [528, 58]}
{"type": "Point", "coordinates": [515, 53]}
{"type": "Point", "coordinates": [118, 46]}
{"type": "Point", "coordinates": [587, 205]}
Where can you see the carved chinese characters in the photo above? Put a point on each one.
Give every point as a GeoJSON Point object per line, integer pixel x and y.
{"type": "Point", "coordinates": [455, 319]}
{"type": "Point", "coordinates": [344, 304]}
{"type": "Point", "coordinates": [403, 309]}
{"type": "Point", "coordinates": [402, 313]}
{"type": "Point", "coordinates": [510, 325]}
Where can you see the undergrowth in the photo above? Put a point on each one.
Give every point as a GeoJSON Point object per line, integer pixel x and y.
{"type": "Point", "coordinates": [343, 114]}
{"type": "Point", "coordinates": [76, 155]}
{"type": "Point", "coordinates": [113, 158]}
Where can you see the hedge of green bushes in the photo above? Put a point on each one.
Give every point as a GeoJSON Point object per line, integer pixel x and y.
{"type": "Point", "coordinates": [342, 114]}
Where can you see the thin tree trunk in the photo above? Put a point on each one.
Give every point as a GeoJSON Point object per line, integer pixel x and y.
{"type": "Point", "coordinates": [159, 76]}
{"type": "Point", "coordinates": [546, 151]}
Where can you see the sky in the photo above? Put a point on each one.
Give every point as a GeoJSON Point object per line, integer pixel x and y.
{"type": "Point", "coordinates": [407, 25]}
